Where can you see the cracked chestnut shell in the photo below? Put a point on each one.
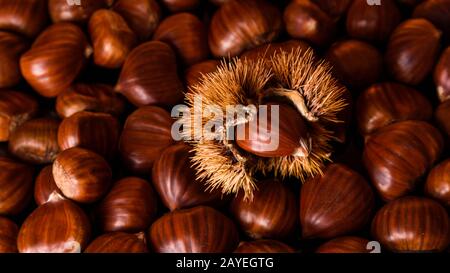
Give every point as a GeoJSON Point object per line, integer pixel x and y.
{"type": "Point", "coordinates": [264, 246]}
{"type": "Point", "coordinates": [117, 242]}
{"type": "Point", "coordinates": [11, 47]}
{"type": "Point", "coordinates": [27, 17]}
{"type": "Point", "coordinates": [347, 244]}
{"type": "Point", "coordinates": [438, 183]}
{"type": "Point", "coordinates": [8, 235]}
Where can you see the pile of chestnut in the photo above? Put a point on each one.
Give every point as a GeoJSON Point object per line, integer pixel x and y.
{"type": "Point", "coordinates": [88, 163]}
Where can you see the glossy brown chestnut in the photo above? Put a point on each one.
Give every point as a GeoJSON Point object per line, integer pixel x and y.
{"type": "Point", "coordinates": [58, 226]}
{"type": "Point", "coordinates": [334, 8]}
{"type": "Point", "coordinates": [27, 17]}
{"type": "Point", "coordinates": [111, 37]}
{"type": "Point", "coordinates": [374, 23]}
{"type": "Point", "coordinates": [412, 51]}
{"type": "Point", "coordinates": [441, 116]}
{"type": "Point", "coordinates": [89, 97]}
{"type": "Point", "coordinates": [130, 206]}
{"type": "Point", "coordinates": [147, 132]}
{"type": "Point", "coordinates": [186, 34]}
{"type": "Point", "coordinates": [412, 224]}
{"type": "Point", "coordinates": [264, 246]}
{"type": "Point", "coordinates": [117, 242]}
{"type": "Point", "coordinates": [398, 155]}
{"type": "Point", "coordinates": [8, 235]}
{"type": "Point", "coordinates": [98, 132]}
{"type": "Point", "coordinates": [356, 64]}
{"type": "Point", "coordinates": [437, 12]}
{"type": "Point", "coordinates": [15, 109]}
{"type": "Point", "coordinates": [438, 183]}
{"type": "Point", "coordinates": [442, 76]}
{"type": "Point", "coordinates": [292, 135]}
{"type": "Point", "coordinates": [181, 5]}
{"type": "Point", "coordinates": [348, 244]}
{"type": "Point", "coordinates": [386, 103]}
{"type": "Point", "coordinates": [55, 59]}
{"type": "Point", "coordinates": [142, 16]}
{"type": "Point", "coordinates": [81, 175]}
{"type": "Point", "coordinates": [197, 230]}
{"type": "Point", "coordinates": [195, 73]}
{"type": "Point", "coordinates": [271, 214]}
{"type": "Point", "coordinates": [35, 141]}
{"type": "Point", "coordinates": [337, 203]}
{"type": "Point", "coordinates": [240, 25]}
{"type": "Point", "coordinates": [175, 180]}
{"type": "Point", "coordinates": [45, 186]}
{"type": "Point", "coordinates": [305, 20]}
{"type": "Point", "coordinates": [11, 47]}
{"type": "Point", "coordinates": [16, 186]}
{"type": "Point", "coordinates": [149, 76]}
{"type": "Point", "coordinates": [61, 11]}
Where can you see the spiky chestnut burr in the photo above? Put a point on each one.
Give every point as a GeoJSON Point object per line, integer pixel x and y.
{"type": "Point", "coordinates": [295, 78]}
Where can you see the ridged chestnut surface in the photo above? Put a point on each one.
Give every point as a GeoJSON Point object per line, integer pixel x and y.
{"type": "Point", "coordinates": [438, 182]}
{"type": "Point", "coordinates": [348, 244]}
{"type": "Point", "coordinates": [337, 203]}
{"type": "Point", "coordinates": [441, 115]}
{"type": "Point", "coordinates": [442, 76]}
{"type": "Point", "coordinates": [8, 235]}
{"type": "Point", "coordinates": [11, 47]}
{"type": "Point", "coordinates": [194, 74]}
{"type": "Point", "coordinates": [61, 11]}
{"type": "Point", "coordinates": [196, 230]}
{"type": "Point", "coordinates": [45, 186]}
{"type": "Point", "coordinates": [437, 12]}
{"type": "Point", "coordinates": [117, 242]}
{"type": "Point", "coordinates": [264, 246]}
{"type": "Point", "coordinates": [398, 155]}
{"type": "Point", "coordinates": [412, 224]}
{"type": "Point", "coordinates": [27, 17]}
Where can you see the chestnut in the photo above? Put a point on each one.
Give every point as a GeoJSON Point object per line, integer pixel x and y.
{"type": "Point", "coordinates": [149, 76]}
{"type": "Point", "coordinates": [142, 16]}
{"type": "Point", "coordinates": [240, 25]}
{"type": "Point", "coordinates": [81, 175]}
{"type": "Point", "coordinates": [98, 132]}
{"type": "Point", "coordinates": [130, 206]}
{"type": "Point", "coordinates": [441, 116]}
{"type": "Point", "coordinates": [412, 224]}
{"type": "Point", "coordinates": [181, 5]}
{"type": "Point", "coordinates": [15, 109]}
{"type": "Point", "coordinates": [45, 186]}
{"type": "Point", "coordinates": [8, 235]}
{"type": "Point", "coordinates": [385, 103]}
{"type": "Point", "coordinates": [43, 66]}
{"type": "Point", "coordinates": [346, 244]}
{"type": "Point", "coordinates": [272, 213]}
{"type": "Point", "coordinates": [195, 73]}
{"type": "Point", "coordinates": [196, 230]}
{"type": "Point", "coordinates": [412, 51]}
{"type": "Point", "coordinates": [16, 185]}
{"type": "Point", "coordinates": [111, 37]}
{"type": "Point", "coordinates": [438, 183]}
{"type": "Point", "coordinates": [89, 97]}
{"type": "Point", "coordinates": [334, 8]}
{"type": "Point", "coordinates": [35, 141]}
{"type": "Point", "coordinates": [437, 12]}
{"type": "Point", "coordinates": [174, 179]}
{"type": "Point", "coordinates": [442, 76]}
{"type": "Point", "coordinates": [117, 242]}
{"type": "Point", "coordinates": [337, 203]}
{"type": "Point", "coordinates": [27, 17]}
{"type": "Point", "coordinates": [187, 36]}
{"type": "Point", "coordinates": [58, 226]}
{"type": "Point", "coordinates": [264, 246]}
{"type": "Point", "coordinates": [372, 22]}
{"type": "Point", "coordinates": [398, 155]}
{"type": "Point", "coordinates": [355, 63]}
{"type": "Point", "coordinates": [147, 132]}
{"type": "Point", "coordinates": [11, 47]}
{"type": "Point", "coordinates": [305, 20]}
{"type": "Point", "coordinates": [60, 11]}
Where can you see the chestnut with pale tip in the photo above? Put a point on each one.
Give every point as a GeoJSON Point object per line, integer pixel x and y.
{"type": "Point", "coordinates": [264, 246]}
{"type": "Point", "coordinates": [442, 76]}
{"type": "Point", "coordinates": [346, 244]}
{"type": "Point", "coordinates": [45, 186]}
{"type": "Point", "coordinates": [11, 47]}
{"type": "Point", "coordinates": [81, 175]}
{"type": "Point", "coordinates": [60, 11]}
{"type": "Point", "coordinates": [27, 17]}
{"type": "Point", "coordinates": [437, 12]}
{"type": "Point", "coordinates": [437, 185]}
{"type": "Point", "coordinates": [117, 242]}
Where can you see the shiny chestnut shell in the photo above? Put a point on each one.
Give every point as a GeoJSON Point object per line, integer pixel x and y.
{"type": "Point", "coordinates": [181, 5]}
{"type": "Point", "coordinates": [441, 116]}
{"type": "Point", "coordinates": [194, 74]}
{"type": "Point", "coordinates": [418, 42]}
{"type": "Point", "coordinates": [11, 47]}
{"type": "Point", "coordinates": [347, 244]}
{"type": "Point", "coordinates": [240, 25]}
{"type": "Point", "coordinates": [27, 17]}
{"type": "Point", "coordinates": [398, 155]}
{"type": "Point", "coordinates": [196, 230]}
{"type": "Point", "coordinates": [386, 103]}
{"type": "Point", "coordinates": [130, 206]}
{"type": "Point", "coordinates": [45, 186]}
{"type": "Point", "coordinates": [61, 11]}
{"type": "Point", "coordinates": [81, 175]}
{"type": "Point", "coordinates": [272, 213]}
{"type": "Point", "coordinates": [412, 224]}
{"type": "Point", "coordinates": [147, 132]}
{"type": "Point", "coordinates": [442, 76]}
{"type": "Point", "coordinates": [174, 178]}
{"type": "Point", "coordinates": [8, 235]}
{"type": "Point", "coordinates": [438, 183]}
{"type": "Point", "coordinates": [117, 242]}
{"type": "Point", "coordinates": [264, 246]}
{"type": "Point", "coordinates": [149, 76]}
{"type": "Point", "coordinates": [16, 184]}
{"type": "Point", "coordinates": [56, 226]}
{"type": "Point", "coordinates": [334, 8]}
{"type": "Point", "coordinates": [337, 203]}
{"type": "Point", "coordinates": [437, 12]}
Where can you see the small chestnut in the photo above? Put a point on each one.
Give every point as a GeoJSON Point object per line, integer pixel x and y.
{"type": "Point", "coordinates": [11, 47]}
{"type": "Point", "coordinates": [438, 183]}
{"type": "Point", "coordinates": [81, 175]}
{"type": "Point", "coordinates": [412, 224]}
{"type": "Point", "coordinates": [27, 17]}
{"type": "Point", "coordinates": [347, 244]}
{"type": "Point", "coordinates": [194, 74]}
{"type": "Point", "coordinates": [442, 76]}
{"type": "Point", "coordinates": [117, 242]}
{"type": "Point", "coordinates": [61, 11]}
{"type": "Point", "coordinates": [45, 186]}
{"type": "Point", "coordinates": [8, 235]}
{"type": "Point", "coordinates": [196, 230]}
{"type": "Point", "coordinates": [264, 246]}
